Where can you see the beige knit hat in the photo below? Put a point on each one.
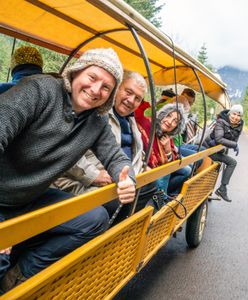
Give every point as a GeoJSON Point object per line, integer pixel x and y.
{"type": "Point", "coordinates": [105, 58]}
{"type": "Point", "coordinates": [26, 55]}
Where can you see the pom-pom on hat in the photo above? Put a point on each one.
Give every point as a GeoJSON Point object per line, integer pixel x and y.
{"type": "Point", "coordinates": [238, 108]}
{"type": "Point", "coordinates": [26, 55]}
{"type": "Point", "coordinates": [105, 58]}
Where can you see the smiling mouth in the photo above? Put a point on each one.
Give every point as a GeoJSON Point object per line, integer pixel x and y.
{"type": "Point", "coordinates": [88, 96]}
{"type": "Point", "coordinates": [126, 106]}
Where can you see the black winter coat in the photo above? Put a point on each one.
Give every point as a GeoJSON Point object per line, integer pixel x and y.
{"type": "Point", "coordinates": [224, 133]}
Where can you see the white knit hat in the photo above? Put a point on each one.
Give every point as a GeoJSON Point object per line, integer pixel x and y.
{"type": "Point", "coordinates": [105, 58]}
{"type": "Point", "coordinates": [238, 108]}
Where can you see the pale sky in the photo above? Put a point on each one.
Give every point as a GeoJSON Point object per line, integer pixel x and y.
{"type": "Point", "coordinates": [220, 24]}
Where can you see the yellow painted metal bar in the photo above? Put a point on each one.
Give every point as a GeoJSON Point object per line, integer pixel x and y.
{"type": "Point", "coordinates": [18, 229]}
{"type": "Point", "coordinates": [54, 279]}
{"type": "Point", "coordinates": [143, 179]}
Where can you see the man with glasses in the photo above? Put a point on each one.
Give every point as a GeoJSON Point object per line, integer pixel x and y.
{"type": "Point", "coordinates": [89, 174]}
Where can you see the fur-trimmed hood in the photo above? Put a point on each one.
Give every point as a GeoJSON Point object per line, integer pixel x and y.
{"type": "Point", "coordinates": [167, 109]}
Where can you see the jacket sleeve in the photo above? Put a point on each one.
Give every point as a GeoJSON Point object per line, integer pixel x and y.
{"type": "Point", "coordinates": [86, 169]}
{"type": "Point", "coordinates": [219, 135]}
{"type": "Point", "coordinates": [239, 132]}
{"type": "Point", "coordinates": [19, 106]}
{"type": "Point", "coordinates": [111, 155]}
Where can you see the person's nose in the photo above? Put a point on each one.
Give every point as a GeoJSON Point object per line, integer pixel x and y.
{"type": "Point", "coordinates": [96, 88]}
{"type": "Point", "coordinates": [131, 99]}
{"type": "Point", "coordinates": [169, 121]}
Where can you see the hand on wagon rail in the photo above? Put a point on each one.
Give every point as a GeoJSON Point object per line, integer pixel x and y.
{"type": "Point", "coordinates": [6, 251]}
{"type": "Point", "coordinates": [103, 179]}
{"type": "Point", "coordinates": [212, 143]}
{"type": "Point", "coordinates": [236, 150]}
{"type": "Point", "coordinates": [126, 187]}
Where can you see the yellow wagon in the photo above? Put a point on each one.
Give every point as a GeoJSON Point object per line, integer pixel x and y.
{"type": "Point", "coordinates": [99, 269]}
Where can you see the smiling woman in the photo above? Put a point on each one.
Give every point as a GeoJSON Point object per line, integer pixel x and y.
{"type": "Point", "coordinates": [227, 130]}
{"type": "Point", "coordinates": [170, 122]}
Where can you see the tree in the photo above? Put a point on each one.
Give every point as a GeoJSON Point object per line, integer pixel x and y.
{"type": "Point", "coordinates": [203, 58]}
{"type": "Point", "coordinates": [198, 108]}
{"type": "Point", "coordinates": [52, 60]}
{"type": "Point", "coordinates": [202, 54]}
{"type": "Point", "coordinates": [5, 50]}
{"type": "Point", "coordinates": [148, 9]}
{"type": "Point", "coordinates": [245, 106]}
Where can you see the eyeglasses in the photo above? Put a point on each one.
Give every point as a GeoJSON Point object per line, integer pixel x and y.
{"type": "Point", "coordinates": [171, 120]}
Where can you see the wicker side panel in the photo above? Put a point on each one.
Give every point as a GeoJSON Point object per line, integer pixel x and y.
{"type": "Point", "coordinates": [160, 229]}
{"type": "Point", "coordinates": [198, 189]}
{"type": "Point", "coordinates": [94, 274]}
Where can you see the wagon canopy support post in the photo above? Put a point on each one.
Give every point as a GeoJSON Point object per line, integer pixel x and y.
{"type": "Point", "coordinates": [205, 114]}
{"type": "Point", "coordinates": [151, 88]}
{"type": "Point", "coordinates": [81, 45]}
{"type": "Point", "coordinates": [204, 106]}
{"type": "Point", "coordinates": [12, 52]}
{"type": "Point", "coordinates": [153, 104]}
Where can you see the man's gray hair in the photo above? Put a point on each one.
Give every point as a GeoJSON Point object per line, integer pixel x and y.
{"type": "Point", "coordinates": [135, 76]}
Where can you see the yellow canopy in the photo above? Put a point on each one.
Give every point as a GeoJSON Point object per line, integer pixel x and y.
{"type": "Point", "coordinates": [62, 25]}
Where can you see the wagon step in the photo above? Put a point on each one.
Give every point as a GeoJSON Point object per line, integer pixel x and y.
{"type": "Point", "coordinates": [210, 198]}
{"type": "Point", "coordinates": [178, 230]}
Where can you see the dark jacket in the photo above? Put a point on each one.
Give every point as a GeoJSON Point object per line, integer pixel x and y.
{"type": "Point", "coordinates": [40, 138]}
{"type": "Point", "coordinates": [224, 133]}
{"type": "Point", "coordinates": [18, 73]}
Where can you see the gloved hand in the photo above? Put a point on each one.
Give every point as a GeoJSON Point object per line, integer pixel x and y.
{"type": "Point", "coordinates": [236, 149]}
{"type": "Point", "coordinates": [212, 143]}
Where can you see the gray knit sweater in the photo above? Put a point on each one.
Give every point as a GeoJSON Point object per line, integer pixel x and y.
{"type": "Point", "coordinates": [40, 139]}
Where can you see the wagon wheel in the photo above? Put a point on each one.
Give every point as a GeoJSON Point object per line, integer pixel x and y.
{"type": "Point", "coordinates": [196, 225]}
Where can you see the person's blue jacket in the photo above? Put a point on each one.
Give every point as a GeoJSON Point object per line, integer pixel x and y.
{"type": "Point", "coordinates": [18, 73]}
